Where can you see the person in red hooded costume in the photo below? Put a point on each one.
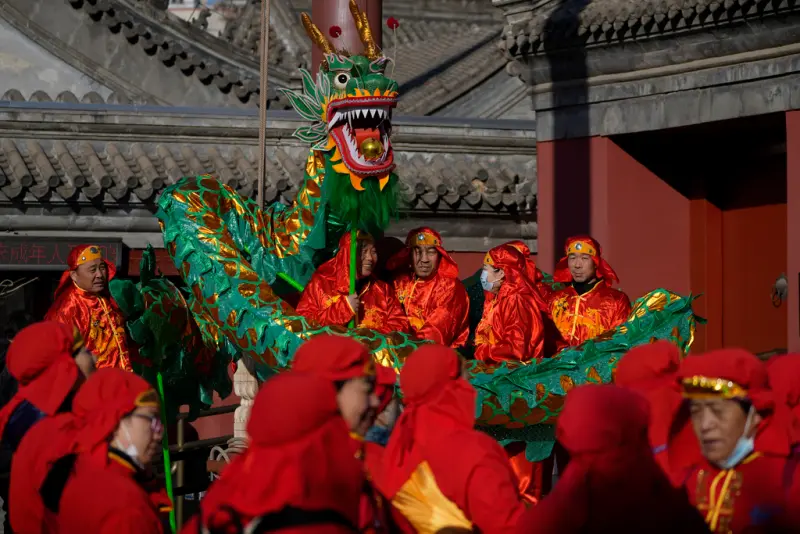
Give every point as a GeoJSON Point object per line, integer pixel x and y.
{"type": "Point", "coordinates": [300, 472]}
{"type": "Point", "coordinates": [82, 299]}
{"type": "Point", "coordinates": [784, 379]}
{"type": "Point", "coordinates": [49, 362]}
{"type": "Point", "coordinates": [511, 327]}
{"type": "Point", "coordinates": [106, 445]}
{"type": "Point", "coordinates": [363, 390]}
{"type": "Point", "coordinates": [533, 272]}
{"type": "Point", "coordinates": [735, 469]}
{"type": "Point", "coordinates": [327, 299]}
{"type": "Point", "coordinates": [611, 483]}
{"type": "Point", "coordinates": [437, 470]}
{"type": "Point", "coordinates": [588, 306]}
{"type": "Point", "coordinates": [427, 286]}
{"type": "Point", "coordinates": [650, 370]}
{"type": "Point", "coordinates": [108, 441]}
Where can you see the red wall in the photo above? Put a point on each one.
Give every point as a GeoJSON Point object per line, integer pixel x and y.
{"type": "Point", "coordinates": [640, 221]}
{"type": "Point", "coordinates": [705, 268]}
{"type": "Point", "coordinates": [753, 256]}
{"type": "Point", "coordinates": [793, 229]}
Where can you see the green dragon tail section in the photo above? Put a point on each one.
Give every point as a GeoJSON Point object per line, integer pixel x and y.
{"type": "Point", "coordinates": [169, 340]}
{"type": "Point", "coordinates": [228, 253]}
{"type": "Point", "coordinates": [522, 402]}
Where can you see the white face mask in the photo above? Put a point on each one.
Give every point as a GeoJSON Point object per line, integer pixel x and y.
{"type": "Point", "coordinates": [131, 450]}
{"type": "Point", "coordinates": [744, 446]}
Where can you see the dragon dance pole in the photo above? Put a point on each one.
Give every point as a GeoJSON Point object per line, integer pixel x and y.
{"type": "Point", "coordinates": [262, 103]}
{"type": "Point", "coordinates": [353, 262]}
{"type": "Point", "coordinates": [165, 451]}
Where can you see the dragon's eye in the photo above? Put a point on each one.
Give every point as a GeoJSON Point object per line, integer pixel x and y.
{"type": "Point", "coordinates": [340, 80]}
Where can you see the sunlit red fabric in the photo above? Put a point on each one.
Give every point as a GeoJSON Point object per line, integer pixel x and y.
{"type": "Point", "coordinates": [106, 397]}
{"type": "Point", "coordinates": [436, 426]}
{"type": "Point", "coordinates": [324, 299]}
{"type": "Point", "coordinates": [511, 327]}
{"type": "Point", "coordinates": [784, 380]}
{"type": "Point", "coordinates": [534, 274]}
{"type": "Point", "coordinates": [650, 371]}
{"type": "Point", "coordinates": [604, 270]}
{"type": "Point", "coordinates": [97, 317]}
{"type": "Point", "coordinates": [297, 437]}
{"type": "Point", "coordinates": [335, 358]}
{"type": "Point", "coordinates": [41, 359]}
{"type": "Point", "coordinates": [437, 307]}
{"type": "Point", "coordinates": [733, 500]}
{"type": "Point", "coordinates": [611, 483]}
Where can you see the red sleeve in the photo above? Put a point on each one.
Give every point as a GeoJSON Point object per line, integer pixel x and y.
{"type": "Point", "coordinates": [620, 312]}
{"type": "Point", "coordinates": [493, 502]}
{"type": "Point", "coordinates": [323, 306]}
{"type": "Point", "coordinates": [129, 521]}
{"type": "Point", "coordinates": [396, 320]}
{"type": "Point", "coordinates": [517, 330]}
{"type": "Point", "coordinates": [450, 316]}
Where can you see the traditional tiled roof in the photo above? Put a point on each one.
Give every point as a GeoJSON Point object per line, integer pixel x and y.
{"type": "Point", "coordinates": [597, 22]}
{"type": "Point", "coordinates": [179, 44]}
{"type": "Point", "coordinates": [275, 100]}
{"type": "Point", "coordinates": [88, 169]}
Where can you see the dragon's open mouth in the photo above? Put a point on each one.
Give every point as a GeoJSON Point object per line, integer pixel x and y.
{"type": "Point", "coordinates": [361, 127]}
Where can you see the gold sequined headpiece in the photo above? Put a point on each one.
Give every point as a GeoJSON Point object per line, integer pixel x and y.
{"type": "Point", "coordinates": [88, 254]}
{"type": "Point", "coordinates": [703, 387]}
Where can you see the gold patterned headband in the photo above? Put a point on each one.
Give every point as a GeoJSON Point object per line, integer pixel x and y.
{"type": "Point", "coordinates": [703, 387]}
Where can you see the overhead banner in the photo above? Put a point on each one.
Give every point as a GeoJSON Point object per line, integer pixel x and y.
{"type": "Point", "coordinates": [36, 253]}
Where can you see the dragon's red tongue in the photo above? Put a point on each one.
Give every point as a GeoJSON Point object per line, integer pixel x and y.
{"type": "Point", "coordinates": [362, 134]}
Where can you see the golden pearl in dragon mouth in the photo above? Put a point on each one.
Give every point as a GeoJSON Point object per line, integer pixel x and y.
{"type": "Point", "coordinates": [371, 148]}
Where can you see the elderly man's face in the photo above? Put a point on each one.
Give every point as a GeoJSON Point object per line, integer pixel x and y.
{"type": "Point", "coordinates": [425, 260]}
{"type": "Point", "coordinates": [581, 267]}
{"type": "Point", "coordinates": [718, 425]}
{"type": "Point", "coordinates": [91, 276]}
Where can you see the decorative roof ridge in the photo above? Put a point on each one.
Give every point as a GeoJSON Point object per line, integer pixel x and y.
{"type": "Point", "coordinates": [163, 40]}
{"type": "Point", "coordinates": [578, 24]}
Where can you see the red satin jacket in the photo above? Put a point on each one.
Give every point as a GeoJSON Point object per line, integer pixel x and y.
{"type": "Point", "coordinates": [100, 322]}
{"type": "Point", "coordinates": [583, 317]}
{"type": "Point", "coordinates": [437, 308]}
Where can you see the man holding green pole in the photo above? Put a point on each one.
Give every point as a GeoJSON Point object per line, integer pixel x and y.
{"type": "Point", "coordinates": [344, 292]}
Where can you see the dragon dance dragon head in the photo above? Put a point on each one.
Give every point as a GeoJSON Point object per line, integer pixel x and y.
{"type": "Point", "coordinates": [350, 108]}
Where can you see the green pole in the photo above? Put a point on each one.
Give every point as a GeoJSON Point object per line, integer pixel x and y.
{"type": "Point", "coordinates": [165, 450]}
{"type": "Point", "coordinates": [353, 263]}
{"type": "Point", "coordinates": [291, 281]}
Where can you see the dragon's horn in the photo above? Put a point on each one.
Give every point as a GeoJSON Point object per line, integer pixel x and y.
{"type": "Point", "coordinates": [364, 32]}
{"type": "Point", "coordinates": [317, 37]}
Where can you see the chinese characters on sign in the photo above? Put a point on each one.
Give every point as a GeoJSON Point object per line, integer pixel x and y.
{"type": "Point", "coordinates": [48, 254]}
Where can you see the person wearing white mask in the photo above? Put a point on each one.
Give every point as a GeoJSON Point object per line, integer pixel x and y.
{"type": "Point", "coordinates": [729, 448]}
{"type": "Point", "coordinates": [98, 458]}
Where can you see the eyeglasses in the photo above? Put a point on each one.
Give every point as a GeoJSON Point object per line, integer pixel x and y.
{"type": "Point", "coordinates": [155, 422]}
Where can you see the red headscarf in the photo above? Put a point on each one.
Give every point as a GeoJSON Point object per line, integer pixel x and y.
{"type": "Point", "coordinates": [438, 401]}
{"type": "Point", "coordinates": [530, 265]}
{"type": "Point", "coordinates": [41, 358]}
{"type": "Point", "coordinates": [515, 268]}
{"type": "Point", "coordinates": [784, 379]}
{"type": "Point", "coordinates": [78, 256]}
{"type": "Point", "coordinates": [338, 267]}
{"type": "Point", "coordinates": [106, 397]}
{"type": "Point", "coordinates": [611, 481]}
{"type": "Point", "coordinates": [300, 455]}
{"type": "Point", "coordinates": [650, 371]}
{"type": "Point", "coordinates": [583, 244]}
{"type": "Point", "coordinates": [427, 237]}
{"type": "Point", "coordinates": [338, 358]}
{"type": "Point", "coordinates": [732, 374]}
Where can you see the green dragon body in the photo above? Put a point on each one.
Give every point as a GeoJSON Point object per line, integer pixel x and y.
{"type": "Point", "coordinates": [233, 257]}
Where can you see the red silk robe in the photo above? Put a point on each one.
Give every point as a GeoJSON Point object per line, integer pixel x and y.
{"type": "Point", "coordinates": [99, 321]}
{"type": "Point", "coordinates": [131, 509]}
{"type": "Point", "coordinates": [751, 497]}
{"type": "Point", "coordinates": [511, 327]}
{"type": "Point", "coordinates": [437, 308]}
{"type": "Point", "coordinates": [583, 317]}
